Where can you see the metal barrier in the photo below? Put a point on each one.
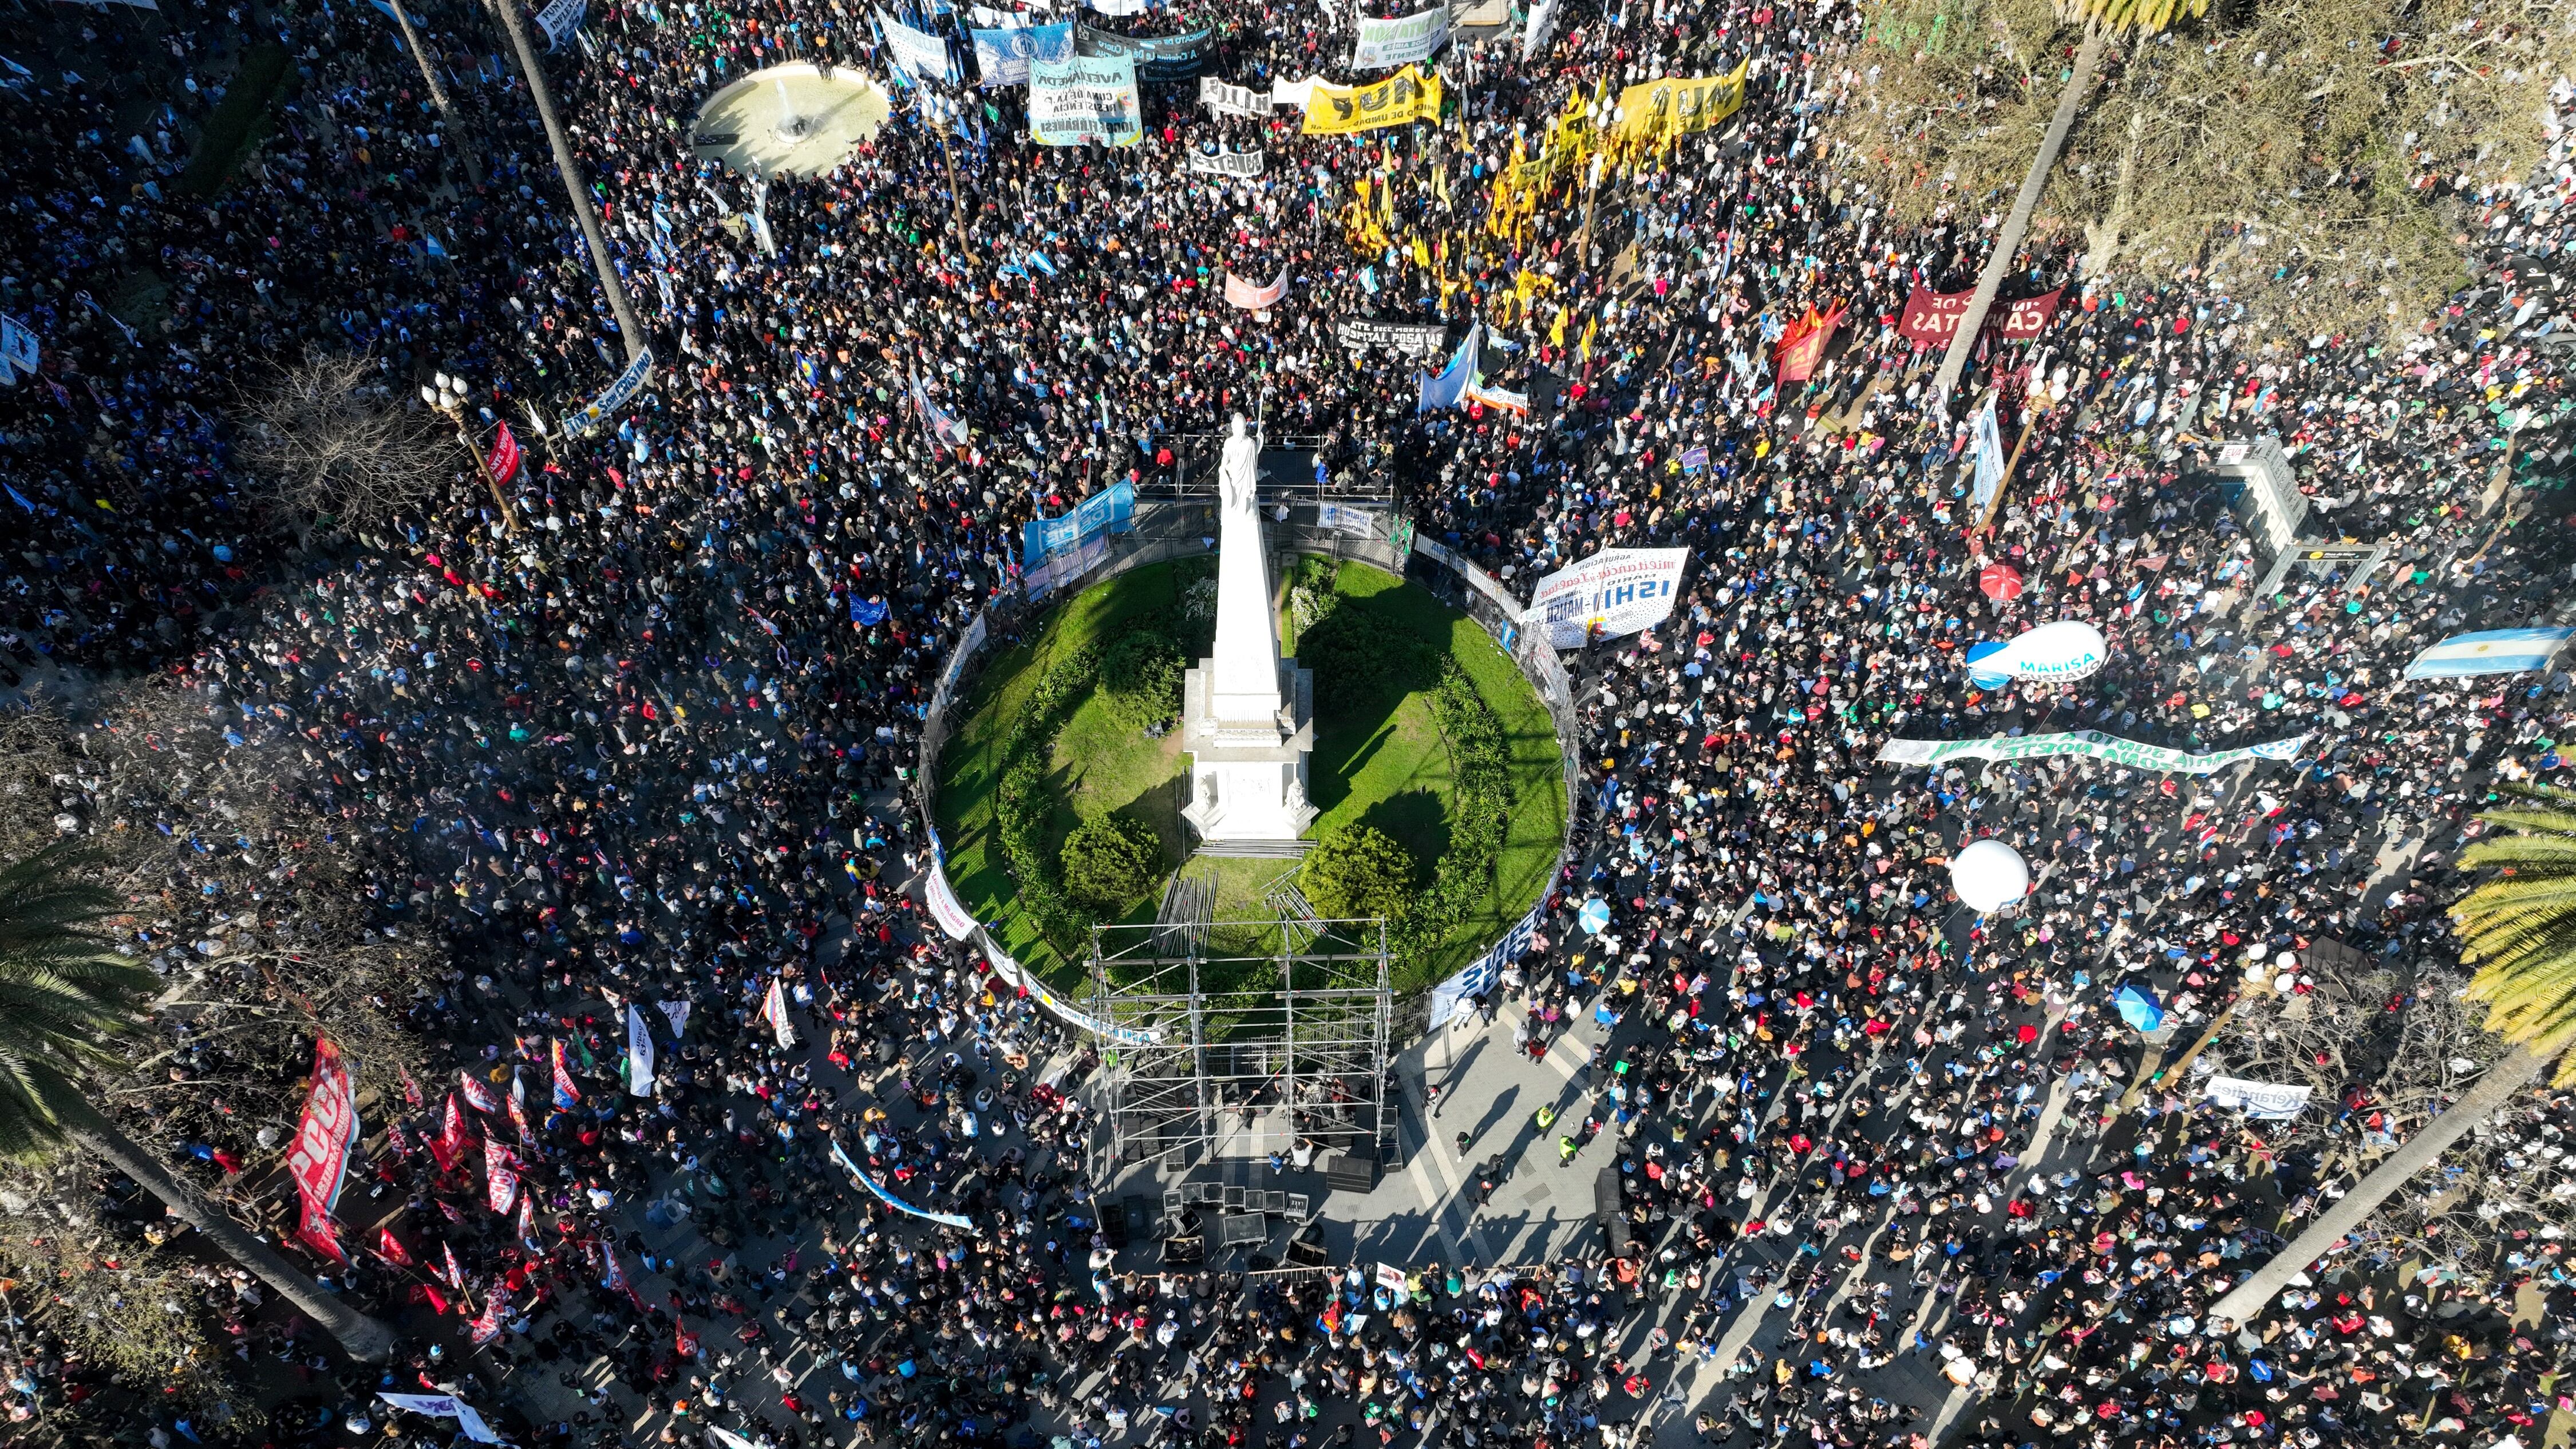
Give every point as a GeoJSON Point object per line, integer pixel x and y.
{"type": "Point", "coordinates": [1185, 528]}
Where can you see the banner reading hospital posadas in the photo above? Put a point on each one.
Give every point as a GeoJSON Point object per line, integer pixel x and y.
{"type": "Point", "coordinates": [1407, 95]}
{"type": "Point", "coordinates": [1616, 591]}
{"type": "Point", "coordinates": [1083, 100]}
{"type": "Point", "coordinates": [2093, 744]}
{"type": "Point", "coordinates": [1660, 110]}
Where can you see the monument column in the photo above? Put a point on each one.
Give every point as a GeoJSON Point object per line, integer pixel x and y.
{"type": "Point", "coordinates": [1247, 715]}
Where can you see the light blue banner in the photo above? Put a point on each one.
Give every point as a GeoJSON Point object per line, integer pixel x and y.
{"type": "Point", "coordinates": [1113, 511]}
{"type": "Point", "coordinates": [1004, 56]}
{"type": "Point", "coordinates": [890, 1200]}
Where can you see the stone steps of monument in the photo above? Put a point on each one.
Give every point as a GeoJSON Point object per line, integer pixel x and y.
{"type": "Point", "coordinates": [1256, 849]}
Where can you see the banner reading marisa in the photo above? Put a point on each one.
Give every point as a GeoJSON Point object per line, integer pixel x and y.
{"type": "Point", "coordinates": [1660, 110]}
{"type": "Point", "coordinates": [2092, 744]}
{"type": "Point", "coordinates": [1407, 95]}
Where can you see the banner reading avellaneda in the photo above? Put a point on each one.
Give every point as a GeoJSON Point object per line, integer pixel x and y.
{"type": "Point", "coordinates": [2092, 744]}
{"type": "Point", "coordinates": [1081, 101]}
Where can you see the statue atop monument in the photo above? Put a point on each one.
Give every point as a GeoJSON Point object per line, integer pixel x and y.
{"type": "Point", "coordinates": [1247, 715]}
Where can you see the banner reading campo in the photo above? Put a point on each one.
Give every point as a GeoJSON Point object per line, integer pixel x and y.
{"type": "Point", "coordinates": [1083, 100]}
{"type": "Point", "coordinates": [1661, 110]}
{"type": "Point", "coordinates": [1407, 95]}
{"type": "Point", "coordinates": [2093, 744]}
{"type": "Point", "coordinates": [1401, 41]}
{"type": "Point", "coordinates": [1616, 591]}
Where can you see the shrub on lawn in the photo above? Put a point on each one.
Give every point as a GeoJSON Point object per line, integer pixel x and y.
{"type": "Point", "coordinates": [1111, 861]}
{"type": "Point", "coordinates": [1141, 673]}
{"type": "Point", "coordinates": [1357, 872]}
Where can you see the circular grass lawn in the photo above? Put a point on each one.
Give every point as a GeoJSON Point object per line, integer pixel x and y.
{"type": "Point", "coordinates": [1380, 759]}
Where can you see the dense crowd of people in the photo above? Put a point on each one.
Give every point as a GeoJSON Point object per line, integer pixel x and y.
{"type": "Point", "coordinates": [633, 755]}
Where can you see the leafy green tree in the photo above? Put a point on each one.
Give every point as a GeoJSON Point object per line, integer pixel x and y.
{"type": "Point", "coordinates": [1357, 872]}
{"type": "Point", "coordinates": [1110, 861]}
{"type": "Point", "coordinates": [69, 1005]}
{"type": "Point", "coordinates": [1140, 673]}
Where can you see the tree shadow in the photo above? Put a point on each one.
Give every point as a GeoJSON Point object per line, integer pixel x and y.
{"type": "Point", "coordinates": [1160, 807]}
{"type": "Point", "coordinates": [1417, 820]}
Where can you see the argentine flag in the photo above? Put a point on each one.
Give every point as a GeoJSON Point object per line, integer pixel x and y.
{"type": "Point", "coordinates": [2496, 651]}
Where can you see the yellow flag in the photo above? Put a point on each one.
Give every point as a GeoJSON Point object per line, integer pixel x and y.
{"type": "Point", "coordinates": [1556, 332]}
{"type": "Point", "coordinates": [1583, 349]}
{"type": "Point", "coordinates": [1421, 254]}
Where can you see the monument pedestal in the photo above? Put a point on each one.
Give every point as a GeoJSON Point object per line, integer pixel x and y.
{"type": "Point", "coordinates": [1248, 777]}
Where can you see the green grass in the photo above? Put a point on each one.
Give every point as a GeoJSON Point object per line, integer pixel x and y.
{"type": "Point", "coordinates": [1397, 767]}
{"type": "Point", "coordinates": [241, 119]}
{"type": "Point", "coordinates": [1383, 763]}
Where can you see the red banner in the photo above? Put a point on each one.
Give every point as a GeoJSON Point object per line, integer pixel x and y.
{"type": "Point", "coordinates": [319, 1159]}
{"type": "Point", "coordinates": [1930, 317]}
{"type": "Point", "coordinates": [1802, 344]}
{"type": "Point", "coordinates": [504, 461]}
{"type": "Point", "coordinates": [2026, 319]}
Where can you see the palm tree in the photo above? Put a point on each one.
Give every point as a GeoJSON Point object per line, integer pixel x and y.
{"type": "Point", "coordinates": [2101, 19]}
{"type": "Point", "coordinates": [67, 1001]}
{"type": "Point", "coordinates": [2519, 929]}
{"type": "Point", "coordinates": [629, 331]}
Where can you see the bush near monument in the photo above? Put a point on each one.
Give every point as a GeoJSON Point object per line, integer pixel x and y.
{"type": "Point", "coordinates": [1358, 872]}
{"type": "Point", "coordinates": [1110, 861]}
{"type": "Point", "coordinates": [1141, 673]}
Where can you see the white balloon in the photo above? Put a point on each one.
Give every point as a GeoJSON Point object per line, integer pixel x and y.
{"type": "Point", "coordinates": [1989, 875]}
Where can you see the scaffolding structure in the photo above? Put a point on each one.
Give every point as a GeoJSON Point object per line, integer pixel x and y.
{"type": "Point", "coordinates": [1237, 1038]}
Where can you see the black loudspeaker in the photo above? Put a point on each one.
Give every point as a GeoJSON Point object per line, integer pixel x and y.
{"type": "Point", "coordinates": [1350, 1172]}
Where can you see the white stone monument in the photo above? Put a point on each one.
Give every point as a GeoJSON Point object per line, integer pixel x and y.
{"type": "Point", "coordinates": [1247, 715]}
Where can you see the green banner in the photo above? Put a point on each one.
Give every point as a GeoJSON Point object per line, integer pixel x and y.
{"type": "Point", "coordinates": [2090, 743]}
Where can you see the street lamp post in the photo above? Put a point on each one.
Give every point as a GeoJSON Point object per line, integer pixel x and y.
{"type": "Point", "coordinates": [448, 395]}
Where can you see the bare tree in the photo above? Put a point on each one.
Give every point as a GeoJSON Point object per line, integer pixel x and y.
{"type": "Point", "coordinates": [2306, 158]}
{"type": "Point", "coordinates": [329, 439]}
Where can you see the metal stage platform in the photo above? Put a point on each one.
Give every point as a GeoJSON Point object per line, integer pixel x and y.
{"type": "Point", "coordinates": [1235, 1039]}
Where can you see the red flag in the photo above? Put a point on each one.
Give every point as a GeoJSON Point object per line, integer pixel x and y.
{"type": "Point", "coordinates": [487, 1324]}
{"type": "Point", "coordinates": [527, 1217]}
{"type": "Point", "coordinates": [504, 460]}
{"type": "Point", "coordinates": [455, 1275]}
{"type": "Point", "coordinates": [477, 1095]}
{"type": "Point", "coordinates": [566, 1094]}
{"type": "Point", "coordinates": [390, 1248]}
{"type": "Point", "coordinates": [504, 1186]}
{"type": "Point", "coordinates": [1802, 345]}
{"type": "Point", "coordinates": [448, 1147]}
{"type": "Point", "coordinates": [318, 1160]}
{"type": "Point", "coordinates": [437, 1300]}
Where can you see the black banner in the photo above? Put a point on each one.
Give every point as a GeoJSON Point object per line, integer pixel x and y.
{"type": "Point", "coordinates": [1412, 339]}
{"type": "Point", "coordinates": [1160, 58]}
